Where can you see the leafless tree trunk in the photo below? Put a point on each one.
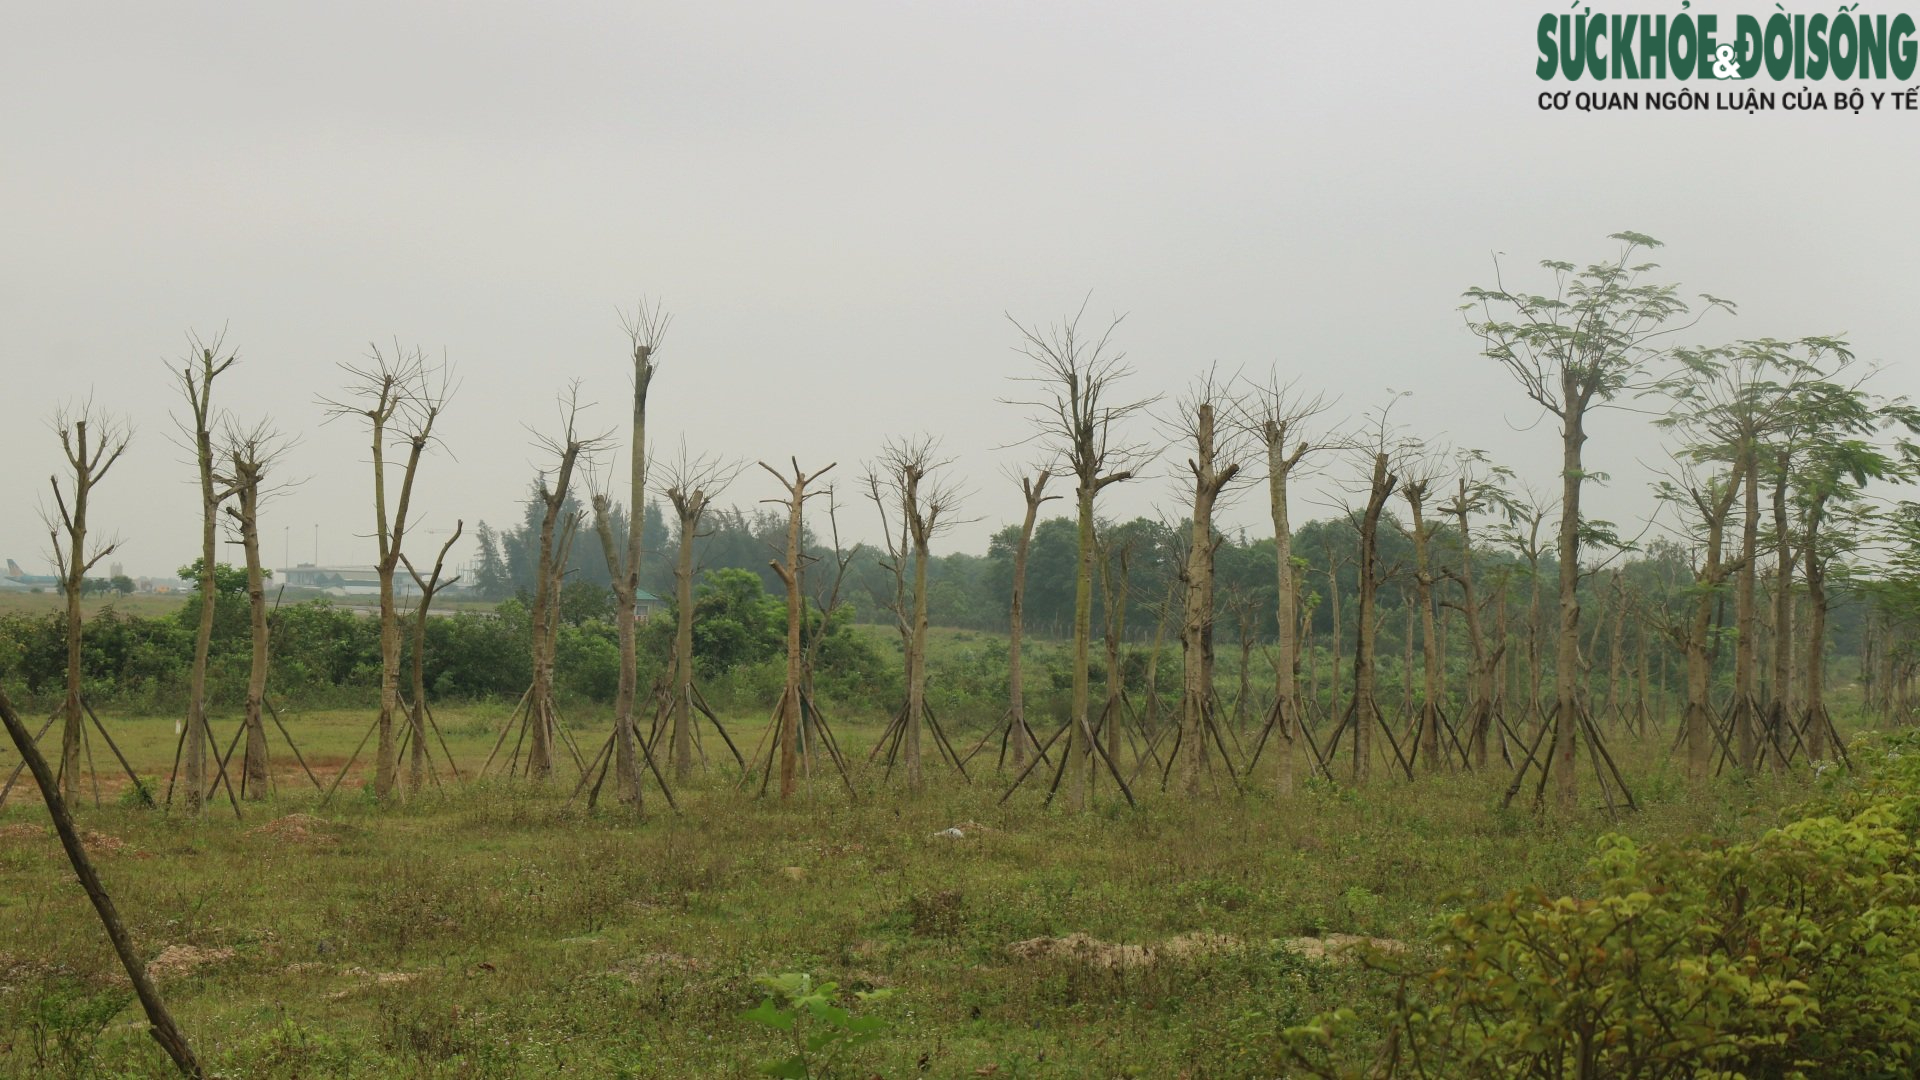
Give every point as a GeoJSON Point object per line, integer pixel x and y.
{"type": "Point", "coordinates": [1115, 579]}
{"type": "Point", "coordinates": [253, 454]}
{"type": "Point", "coordinates": [400, 399]}
{"type": "Point", "coordinates": [1213, 467]}
{"type": "Point", "coordinates": [569, 450]}
{"type": "Point", "coordinates": [163, 1029]}
{"type": "Point", "coordinates": [91, 442]}
{"type": "Point", "coordinates": [1031, 488]}
{"type": "Point", "coordinates": [196, 381]}
{"type": "Point", "coordinates": [1414, 490]}
{"type": "Point", "coordinates": [907, 475]}
{"type": "Point", "coordinates": [790, 572]}
{"type": "Point", "coordinates": [429, 586]}
{"type": "Point", "coordinates": [1075, 417]}
{"type": "Point", "coordinates": [1364, 708]}
{"type": "Point", "coordinates": [1276, 413]}
{"type": "Point", "coordinates": [692, 485]}
{"type": "Point", "coordinates": [644, 333]}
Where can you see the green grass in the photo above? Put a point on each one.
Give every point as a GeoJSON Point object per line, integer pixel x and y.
{"type": "Point", "coordinates": [536, 938]}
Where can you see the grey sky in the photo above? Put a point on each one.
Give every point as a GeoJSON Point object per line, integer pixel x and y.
{"type": "Point", "coordinates": [837, 202]}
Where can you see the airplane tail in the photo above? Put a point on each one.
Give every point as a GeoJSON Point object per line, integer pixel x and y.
{"type": "Point", "coordinates": [14, 571]}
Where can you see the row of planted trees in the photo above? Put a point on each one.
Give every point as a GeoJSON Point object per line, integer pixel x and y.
{"type": "Point", "coordinates": [1773, 445]}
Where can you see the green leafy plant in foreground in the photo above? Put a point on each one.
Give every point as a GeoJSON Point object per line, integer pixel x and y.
{"type": "Point", "coordinates": [1795, 955]}
{"type": "Point", "coordinates": [823, 1032]}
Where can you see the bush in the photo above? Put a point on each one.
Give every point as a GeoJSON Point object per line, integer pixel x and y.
{"type": "Point", "coordinates": [1793, 955]}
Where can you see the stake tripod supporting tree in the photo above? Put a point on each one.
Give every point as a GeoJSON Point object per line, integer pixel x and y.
{"type": "Point", "coordinates": [1613, 787]}
{"type": "Point", "coordinates": [145, 795]}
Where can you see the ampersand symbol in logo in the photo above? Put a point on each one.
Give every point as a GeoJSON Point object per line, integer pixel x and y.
{"type": "Point", "coordinates": [1723, 63]}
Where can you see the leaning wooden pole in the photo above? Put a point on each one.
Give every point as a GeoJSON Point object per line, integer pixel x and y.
{"type": "Point", "coordinates": [164, 1030]}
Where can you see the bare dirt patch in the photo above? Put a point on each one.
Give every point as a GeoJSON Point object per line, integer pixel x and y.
{"type": "Point", "coordinates": [176, 960]}
{"type": "Point", "coordinates": [1108, 956]}
{"type": "Point", "coordinates": [297, 829]}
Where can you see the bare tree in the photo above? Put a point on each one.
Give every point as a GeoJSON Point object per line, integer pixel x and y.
{"type": "Point", "coordinates": [692, 484]}
{"type": "Point", "coordinates": [1032, 490]}
{"type": "Point", "coordinates": [399, 397]}
{"type": "Point", "coordinates": [567, 451]}
{"type": "Point", "coordinates": [202, 366]}
{"type": "Point", "coordinates": [1377, 447]}
{"type": "Point", "coordinates": [1279, 415]}
{"type": "Point", "coordinates": [645, 330]}
{"type": "Point", "coordinates": [790, 572]}
{"type": "Point", "coordinates": [91, 441]}
{"type": "Point", "coordinates": [1473, 495]}
{"type": "Point", "coordinates": [252, 454]}
{"type": "Point", "coordinates": [1573, 350]}
{"type": "Point", "coordinates": [909, 478]}
{"type": "Point", "coordinates": [1421, 475]}
{"type": "Point", "coordinates": [1077, 421]}
{"type": "Point", "coordinates": [429, 586]}
{"type": "Point", "coordinates": [1215, 464]}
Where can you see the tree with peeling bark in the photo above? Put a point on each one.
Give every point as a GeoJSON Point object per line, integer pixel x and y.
{"type": "Point", "coordinates": [908, 481]}
{"type": "Point", "coordinates": [1079, 422]}
{"type": "Point", "coordinates": [252, 455]}
{"type": "Point", "coordinates": [1215, 464]}
{"type": "Point", "coordinates": [692, 484]}
{"type": "Point", "coordinates": [1279, 417]}
{"type": "Point", "coordinates": [1574, 349]}
{"type": "Point", "coordinates": [645, 330]}
{"type": "Point", "coordinates": [790, 570]}
{"type": "Point", "coordinates": [399, 397]}
{"type": "Point", "coordinates": [91, 442]}
{"type": "Point", "coordinates": [418, 719]}
{"type": "Point", "coordinates": [202, 366]}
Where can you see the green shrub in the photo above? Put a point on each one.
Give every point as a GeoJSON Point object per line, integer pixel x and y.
{"type": "Point", "coordinates": [1793, 955]}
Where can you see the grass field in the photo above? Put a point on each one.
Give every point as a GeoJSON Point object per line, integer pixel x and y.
{"type": "Point", "coordinates": [497, 929]}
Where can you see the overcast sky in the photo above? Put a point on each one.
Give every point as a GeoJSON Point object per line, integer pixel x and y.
{"type": "Point", "coordinates": [840, 203]}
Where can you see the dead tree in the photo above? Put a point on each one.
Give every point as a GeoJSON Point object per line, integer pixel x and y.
{"type": "Point", "coordinates": [1278, 416]}
{"type": "Point", "coordinates": [645, 330]}
{"type": "Point", "coordinates": [790, 571]}
{"type": "Point", "coordinates": [419, 719]}
{"type": "Point", "coordinates": [692, 484]}
{"type": "Point", "coordinates": [1077, 421]}
{"type": "Point", "coordinates": [251, 455]}
{"type": "Point", "coordinates": [197, 374]}
{"type": "Point", "coordinates": [162, 1026]}
{"type": "Point", "coordinates": [908, 478]}
{"type": "Point", "coordinates": [399, 397]}
{"type": "Point", "coordinates": [91, 442]}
